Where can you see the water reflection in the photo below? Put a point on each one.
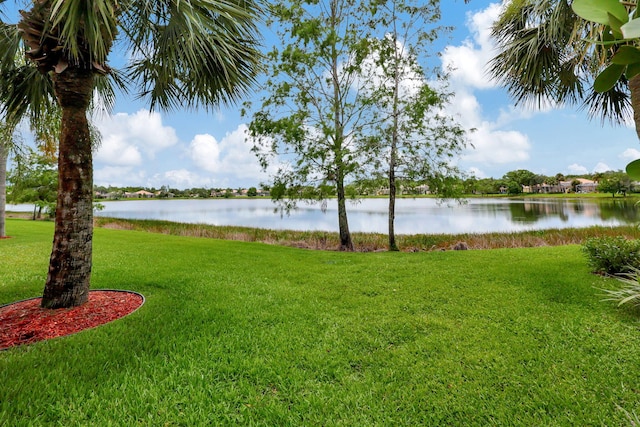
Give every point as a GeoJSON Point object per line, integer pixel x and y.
{"type": "Point", "coordinates": [370, 215]}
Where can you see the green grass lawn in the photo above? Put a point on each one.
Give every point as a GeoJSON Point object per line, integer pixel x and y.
{"type": "Point", "coordinates": [236, 333]}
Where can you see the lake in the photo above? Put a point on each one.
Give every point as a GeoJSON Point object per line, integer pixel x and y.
{"type": "Point", "coordinates": [413, 216]}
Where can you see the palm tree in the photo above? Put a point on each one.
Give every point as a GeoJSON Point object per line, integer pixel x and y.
{"type": "Point", "coordinates": [544, 54]}
{"type": "Point", "coordinates": [6, 140]}
{"type": "Point", "coordinates": [182, 53]}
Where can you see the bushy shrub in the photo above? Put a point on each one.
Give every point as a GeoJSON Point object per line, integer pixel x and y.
{"type": "Point", "coordinates": [612, 255]}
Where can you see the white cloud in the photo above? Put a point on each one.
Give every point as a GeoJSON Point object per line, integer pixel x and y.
{"type": "Point", "coordinates": [127, 137]}
{"type": "Point", "coordinates": [115, 150]}
{"type": "Point", "coordinates": [119, 176]}
{"type": "Point", "coordinates": [205, 152]}
{"type": "Point", "coordinates": [473, 171]}
{"type": "Point", "coordinates": [182, 178]}
{"type": "Point", "coordinates": [493, 144]}
{"type": "Point", "coordinates": [497, 147]}
{"type": "Point", "coordinates": [230, 156]}
{"type": "Point", "coordinates": [468, 61]}
{"type": "Point", "coordinates": [576, 169]}
{"type": "Point", "coordinates": [601, 167]}
{"type": "Point", "coordinates": [630, 154]}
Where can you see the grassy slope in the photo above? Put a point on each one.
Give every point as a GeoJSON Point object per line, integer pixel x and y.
{"type": "Point", "coordinates": [244, 333]}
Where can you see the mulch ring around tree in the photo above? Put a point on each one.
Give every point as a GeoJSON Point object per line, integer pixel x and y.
{"type": "Point", "coordinates": [24, 322]}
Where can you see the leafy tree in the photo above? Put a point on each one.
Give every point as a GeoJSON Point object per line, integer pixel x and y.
{"type": "Point", "coordinates": [538, 179]}
{"type": "Point", "coordinates": [411, 136]}
{"type": "Point", "coordinates": [470, 185]}
{"type": "Point", "coordinates": [615, 183]}
{"type": "Point", "coordinates": [11, 140]}
{"type": "Point", "coordinates": [35, 180]}
{"type": "Point", "coordinates": [488, 186]}
{"type": "Point", "coordinates": [7, 141]}
{"type": "Point", "coordinates": [311, 114]}
{"type": "Point", "coordinates": [183, 53]}
{"type": "Point", "coordinates": [574, 185]}
{"type": "Point", "coordinates": [513, 187]}
{"type": "Point", "coordinates": [252, 192]}
{"type": "Point", "coordinates": [521, 177]}
{"type": "Point", "coordinates": [597, 176]}
{"type": "Point", "coordinates": [44, 121]}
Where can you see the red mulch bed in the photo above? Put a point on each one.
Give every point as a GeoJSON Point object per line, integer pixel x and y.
{"type": "Point", "coordinates": [24, 322]}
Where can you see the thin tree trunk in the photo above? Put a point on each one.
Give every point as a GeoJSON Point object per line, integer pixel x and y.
{"type": "Point", "coordinates": [392, 213]}
{"type": "Point", "coordinates": [346, 244]}
{"type": "Point", "coordinates": [634, 87]}
{"type": "Point", "coordinates": [4, 157]}
{"type": "Point", "coordinates": [392, 201]}
{"type": "Point", "coordinates": [70, 265]}
{"type": "Point", "coordinates": [393, 155]}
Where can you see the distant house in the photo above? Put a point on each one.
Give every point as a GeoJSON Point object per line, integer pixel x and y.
{"type": "Point", "coordinates": [545, 188]}
{"type": "Point", "coordinates": [586, 186]}
{"type": "Point", "coordinates": [141, 194]}
{"type": "Point", "coordinates": [423, 189]}
{"type": "Point", "coordinates": [144, 194]}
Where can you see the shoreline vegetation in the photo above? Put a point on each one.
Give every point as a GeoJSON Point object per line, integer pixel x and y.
{"type": "Point", "coordinates": [372, 242]}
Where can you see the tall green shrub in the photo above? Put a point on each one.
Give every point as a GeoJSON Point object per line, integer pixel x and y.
{"type": "Point", "coordinates": [612, 255]}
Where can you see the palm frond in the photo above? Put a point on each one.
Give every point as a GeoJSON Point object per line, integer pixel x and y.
{"type": "Point", "coordinates": [544, 56]}
{"type": "Point", "coordinates": [10, 45]}
{"type": "Point", "coordinates": [86, 28]}
{"type": "Point", "coordinates": [25, 93]}
{"type": "Point", "coordinates": [613, 107]}
{"type": "Point", "coordinates": [192, 53]}
{"type": "Point", "coordinates": [536, 62]}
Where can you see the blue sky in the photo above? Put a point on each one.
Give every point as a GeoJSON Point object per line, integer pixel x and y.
{"type": "Point", "coordinates": [187, 149]}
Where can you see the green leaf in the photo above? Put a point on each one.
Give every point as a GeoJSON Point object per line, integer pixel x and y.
{"type": "Point", "coordinates": [631, 30]}
{"type": "Point", "coordinates": [615, 25]}
{"type": "Point", "coordinates": [599, 10]}
{"type": "Point", "coordinates": [608, 77]}
{"type": "Point", "coordinates": [626, 55]}
{"type": "Point", "coordinates": [632, 70]}
{"type": "Point", "coordinates": [633, 170]}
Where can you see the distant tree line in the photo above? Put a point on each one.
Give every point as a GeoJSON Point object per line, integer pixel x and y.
{"type": "Point", "coordinates": [517, 182]}
{"type": "Point", "coordinates": [166, 192]}
{"type": "Point", "coordinates": [31, 182]}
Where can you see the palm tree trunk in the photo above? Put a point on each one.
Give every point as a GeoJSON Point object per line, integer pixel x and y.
{"type": "Point", "coordinates": [70, 264]}
{"type": "Point", "coordinates": [4, 157]}
{"type": "Point", "coordinates": [634, 87]}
